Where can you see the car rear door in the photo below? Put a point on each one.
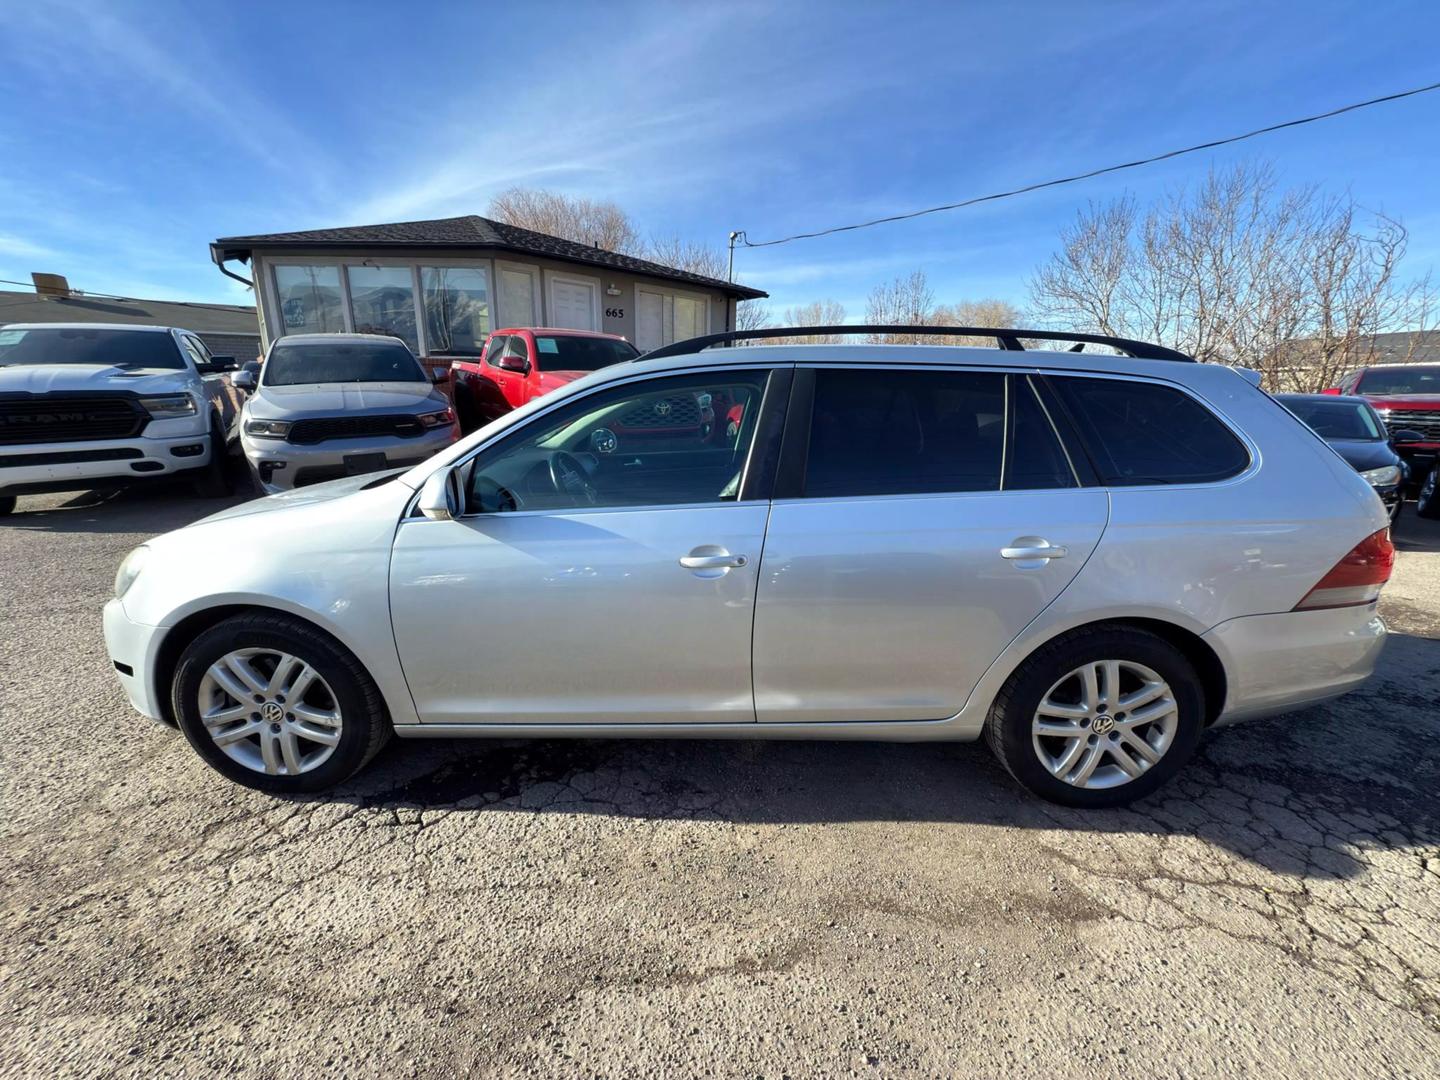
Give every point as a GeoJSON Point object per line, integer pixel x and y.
{"type": "Point", "coordinates": [923, 516]}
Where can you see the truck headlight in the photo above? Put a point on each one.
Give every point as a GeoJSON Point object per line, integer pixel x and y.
{"type": "Point", "coordinates": [168, 406]}
{"type": "Point", "coordinates": [1385, 476]}
{"type": "Point", "coordinates": [130, 570]}
{"type": "Point", "coordinates": [268, 429]}
{"type": "Point", "coordinates": [443, 418]}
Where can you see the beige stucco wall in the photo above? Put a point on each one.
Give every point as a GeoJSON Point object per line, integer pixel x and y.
{"type": "Point", "coordinates": [617, 289]}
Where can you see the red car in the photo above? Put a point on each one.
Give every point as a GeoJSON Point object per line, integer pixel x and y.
{"type": "Point", "coordinates": [523, 362]}
{"type": "Point", "coordinates": [1407, 397]}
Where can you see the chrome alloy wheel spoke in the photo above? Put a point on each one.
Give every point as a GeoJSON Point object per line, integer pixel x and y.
{"type": "Point", "coordinates": [1104, 724]}
{"type": "Point", "coordinates": [270, 711]}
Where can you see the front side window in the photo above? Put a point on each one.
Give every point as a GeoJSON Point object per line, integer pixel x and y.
{"type": "Point", "coordinates": [457, 309]}
{"type": "Point", "coordinates": [664, 442]}
{"type": "Point", "coordinates": [382, 301]}
{"type": "Point", "coordinates": [893, 432]}
{"type": "Point", "coordinates": [496, 347]}
{"type": "Point", "coordinates": [340, 362]}
{"type": "Point", "coordinates": [131, 350]}
{"type": "Point", "coordinates": [581, 353]}
{"type": "Point", "coordinates": [310, 299]}
{"type": "Point", "coordinates": [1144, 433]}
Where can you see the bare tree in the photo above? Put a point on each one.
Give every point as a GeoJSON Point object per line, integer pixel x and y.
{"type": "Point", "coordinates": [1291, 282]}
{"type": "Point", "coordinates": [752, 315]}
{"type": "Point", "coordinates": [686, 255]}
{"type": "Point", "coordinates": [905, 301]}
{"type": "Point", "coordinates": [585, 221]}
{"type": "Point", "coordinates": [985, 312]}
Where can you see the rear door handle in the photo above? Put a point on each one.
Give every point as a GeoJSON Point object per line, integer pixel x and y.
{"type": "Point", "coordinates": [1033, 549]}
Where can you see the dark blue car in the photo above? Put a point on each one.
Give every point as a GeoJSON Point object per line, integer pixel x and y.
{"type": "Point", "coordinates": [1354, 431]}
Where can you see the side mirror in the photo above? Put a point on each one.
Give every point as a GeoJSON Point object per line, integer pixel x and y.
{"type": "Point", "coordinates": [1404, 435]}
{"type": "Point", "coordinates": [513, 363]}
{"type": "Point", "coordinates": [244, 380]}
{"type": "Point", "coordinates": [223, 363]}
{"type": "Point", "coordinates": [439, 375]}
{"type": "Point", "coordinates": [440, 498]}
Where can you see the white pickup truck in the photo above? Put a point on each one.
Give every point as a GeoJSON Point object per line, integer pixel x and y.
{"type": "Point", "coordinates": [89, 405]}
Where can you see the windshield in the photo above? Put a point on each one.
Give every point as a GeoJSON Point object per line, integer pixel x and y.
{"type": "Point", "coordinates": [340, 362]}
{"type": "Point", "coordinates": [582, 353]}
{"type": "Point", "coordinates": [1413, 379]}
{"type": "Point", "coordinates": [116, 348]}
{"type": "Point", "coordinates": [1337, 419]}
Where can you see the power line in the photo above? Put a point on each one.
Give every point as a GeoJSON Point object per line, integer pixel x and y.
{"type": "Point", "coordinates": [1087, 175]}
{"type": "Point", "coordinates": [233, 309]}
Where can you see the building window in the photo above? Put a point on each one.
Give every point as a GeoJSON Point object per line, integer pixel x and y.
{"type": "Point", "coordinates": [457, 309]}
{"type": "Point", "coordinates": [310, 301]}
{"type": "Point", "coordinates": [382, 301]}
{"type": "Point", "coordinates": [663, 318]}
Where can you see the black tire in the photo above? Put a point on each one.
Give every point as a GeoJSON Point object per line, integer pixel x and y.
{"type": "Point", "coordinates": [464, 408]}
{"type": "Point", "coordinates": [1427, 503]}
{"type": "Point", "coordinates": [365, 724]}
{"type": "Point", "coordinates": [7, 504]}
{"type": "Point", "coordinates": [1008, 727]}
{"type": "Point", "coordinates": [213, 482]}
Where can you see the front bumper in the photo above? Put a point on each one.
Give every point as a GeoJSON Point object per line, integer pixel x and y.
{"type": "Point", "coordinates": [72, 466]}
{"type": "Point", "coordinates": [132, 648]}
{"type": "Point", "coordinates": [280, 466]}
{"type": "Point", "coordinates": [1278, 663]}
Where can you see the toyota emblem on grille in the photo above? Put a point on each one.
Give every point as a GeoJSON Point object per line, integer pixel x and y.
{"type": "Point", "coordinates": [662, 408]}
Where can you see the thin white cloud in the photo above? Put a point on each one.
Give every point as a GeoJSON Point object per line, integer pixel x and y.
{"type": "Point", "coordinates": [19, 248]}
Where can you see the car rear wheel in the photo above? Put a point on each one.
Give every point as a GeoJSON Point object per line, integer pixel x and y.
{"type": "Point", "coordinates": [1427, 505]}
{"type": "Point", "coordinates": [7, 505]}
{"type": "Point", "coordinates": [275, 704]}
{"type": "Point", "coordinates": [1099, 717]}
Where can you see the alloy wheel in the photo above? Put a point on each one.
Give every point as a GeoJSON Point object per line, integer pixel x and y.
{"type": "Point", "coordinates": [270, 711]}
{"type": "Point", "coordinates": [1104, 724]}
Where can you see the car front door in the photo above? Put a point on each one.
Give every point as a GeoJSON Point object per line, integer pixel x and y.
{"type": "Point", "coordinates": [922, 518]}
{"type": "Point", "coordinates": [596, 578]}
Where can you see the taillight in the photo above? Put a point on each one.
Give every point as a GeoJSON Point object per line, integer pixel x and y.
{"type": "Point", "coordinates": [1356, 579]}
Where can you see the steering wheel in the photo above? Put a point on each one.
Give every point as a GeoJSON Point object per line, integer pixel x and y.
{"type": "Point", "coordinates": [570, 478]}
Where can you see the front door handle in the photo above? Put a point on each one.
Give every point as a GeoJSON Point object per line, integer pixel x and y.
{"type": "Point", "coordinates": [711, 561]}
{"type": "Point", "coordinates": [1032, 550]}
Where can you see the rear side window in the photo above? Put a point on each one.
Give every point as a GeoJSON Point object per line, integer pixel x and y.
{"type": "Point", "coordinates": [875, 432]}
{"type": "Point", "coordinates": [1144, 433]}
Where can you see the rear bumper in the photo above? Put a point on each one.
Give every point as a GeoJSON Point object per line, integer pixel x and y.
{"type": "Point", "coordinates": [73, 466]}
{"type": "Point", "coordinates": [281, 466]}
{"type": "Point", "coordinates": [1277, 663]}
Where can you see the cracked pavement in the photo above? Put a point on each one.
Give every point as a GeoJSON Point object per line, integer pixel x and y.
{"type": "Point", "coordinates": [699, 908]}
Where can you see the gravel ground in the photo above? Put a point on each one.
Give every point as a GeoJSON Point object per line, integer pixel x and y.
{"type": "Point", "coordinates": [699, 908]}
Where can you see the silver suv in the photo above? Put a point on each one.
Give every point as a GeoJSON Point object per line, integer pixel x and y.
{"type": "Point", "coordinates": [332, 405]}
{"type": "Point", "coordinates": [1086, 559]}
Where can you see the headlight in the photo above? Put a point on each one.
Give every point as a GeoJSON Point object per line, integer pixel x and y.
{"type": "Point", "coordinates": [443, 418]}
{"type": "Point", "coordinates": [168, 406]}
{"type": "Point", "coordinates": [130, 570]}
{"type": "Point", "coordinates": [268, 429]}
{"type": "Point", "coordinates": [1385, 476]}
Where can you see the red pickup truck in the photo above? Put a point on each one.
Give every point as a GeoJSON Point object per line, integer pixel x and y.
{"type": "Point", "coordinates": [523, 362]}
{"type": "Point", "coordinates": [1407, 397]}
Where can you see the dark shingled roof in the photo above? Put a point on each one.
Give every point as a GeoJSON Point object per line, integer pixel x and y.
{"type": "Point", "coordinates": [470, 231]}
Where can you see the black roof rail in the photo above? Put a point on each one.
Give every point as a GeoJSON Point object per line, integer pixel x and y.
{"type": "Point", "coordinates": [1005, 338]}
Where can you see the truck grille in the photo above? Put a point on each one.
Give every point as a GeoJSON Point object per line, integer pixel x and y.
{"type": "Point", "coordinates": [667, 413]}
{"type": "Point", "coordinates": [321, 428]}
{"type": "Point", "coordinates": [64, 417]}
{"type": "Point", "coordinates": [1425, 421]}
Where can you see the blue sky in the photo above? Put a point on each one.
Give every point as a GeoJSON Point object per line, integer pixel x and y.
{"type": "Point", "coordinates": [132, 135]}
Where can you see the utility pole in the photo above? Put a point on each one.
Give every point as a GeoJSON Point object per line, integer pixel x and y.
{"type": "Point", "coordinates": [730, 271]}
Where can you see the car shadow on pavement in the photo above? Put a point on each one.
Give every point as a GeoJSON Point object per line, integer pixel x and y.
{"type": "Point", "coordinates": [1414, 533]}
{"type": "Point", "coordinates": [145, 509]}
{"type": "Point", "coordinates": [1302, 795]}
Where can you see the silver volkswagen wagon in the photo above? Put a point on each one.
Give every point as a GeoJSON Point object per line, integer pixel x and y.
{"type": "Point", "coordinates": [1086, 558]}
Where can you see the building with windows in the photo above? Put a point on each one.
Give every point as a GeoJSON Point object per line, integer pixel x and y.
{"type": "Point", "coordinates": [442, 285]}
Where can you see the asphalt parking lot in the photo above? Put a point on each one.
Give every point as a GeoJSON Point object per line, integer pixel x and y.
{"type": "Point", "coordinates": [699, 908]}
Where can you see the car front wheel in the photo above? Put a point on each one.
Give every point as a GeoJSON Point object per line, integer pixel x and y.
{"type": "Point", "coordinates": [275, 704]}
{"type": "Point", "coordinates": [1427, 505]}
{"type": "Point", "coordinates": [7, 505]}
{"type": "Point", "coordinates": [1098, 717]}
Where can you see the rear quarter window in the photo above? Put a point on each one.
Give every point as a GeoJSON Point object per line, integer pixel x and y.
{"type": "Point", "coordinates": [1145, 433]}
